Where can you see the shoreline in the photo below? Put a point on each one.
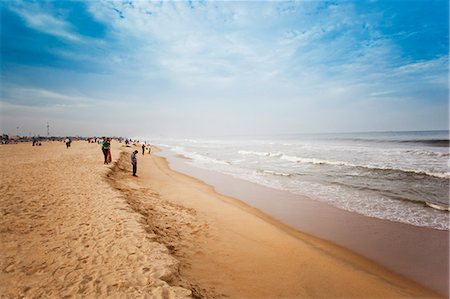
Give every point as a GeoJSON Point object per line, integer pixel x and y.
{"type": "Point", "coordinates": [417, 253]}
{"type": "Point", "coordinates": [72, 226]}
{"type": "Point", "coordinates": [338, 253]}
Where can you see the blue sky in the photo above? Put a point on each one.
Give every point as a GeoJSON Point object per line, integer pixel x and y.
{"type": "Point", "coordinates": [209, 68]}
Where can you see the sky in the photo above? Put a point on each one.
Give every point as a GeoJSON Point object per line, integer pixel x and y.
{"type": "Point", "coordinates": [212, 68]}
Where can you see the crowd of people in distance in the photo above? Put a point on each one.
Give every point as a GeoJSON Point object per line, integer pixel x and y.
{"type": "Point", "coordinates": [35, 140]}
{"type": "Point", "coordinates": [104, 141]}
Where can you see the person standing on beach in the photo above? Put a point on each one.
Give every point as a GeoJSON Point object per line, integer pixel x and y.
{"type": "Point", "coordinates": [105, 148]}
{"type": "Point", "coordinates": [134, 161]}
{"type": "Point", "coordinates": [143, 148]}
{"type": "Point", "coordinates": [67, 142]}
{"type": "Point", "coordinates": [108, 156]}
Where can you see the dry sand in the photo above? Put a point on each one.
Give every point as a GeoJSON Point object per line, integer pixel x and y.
{"type": "Point", "coordinates": [71, 226]}
{"type": "Point", "coordinates": [66, 232]}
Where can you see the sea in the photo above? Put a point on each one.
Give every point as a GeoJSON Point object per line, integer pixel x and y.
{"type": "Point", "coordinates": [397, 176]}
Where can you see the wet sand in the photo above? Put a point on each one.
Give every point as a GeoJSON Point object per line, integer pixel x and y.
{"type": "Point", "coordinates": [72, 226]}
{"type": "Point", "coordinates": [419, 253]}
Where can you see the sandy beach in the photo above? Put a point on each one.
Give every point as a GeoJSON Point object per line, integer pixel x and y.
{"type": "Point", "coordinates": [72, 226]}
{"type": "Point", "coordinates": [418, 253]}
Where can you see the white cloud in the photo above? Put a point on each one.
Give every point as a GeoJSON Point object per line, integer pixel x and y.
{"type": "Point", "coordinates": [424, 66]}
{"type": "Point", "coordinates": [45, 22]}
{"type": "Point", "coordinates": [39, 97]}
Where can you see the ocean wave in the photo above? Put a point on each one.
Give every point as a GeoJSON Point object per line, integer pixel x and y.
{"type": "Point", "coordinates": [370, 167]}
{"type": "Point", "coordinates": [432, 142]}
{"type": "Point", "coordinates": [274, 173]}
{"type": "Point", "coordinates": [200, 158]}
{"type": "Point", "coordinates": [191, 140]}
{"type": "Point", "coordinates": [377, 201]}
{"type": "Point", "coordinates": [163, 145]}
{"type": "Point", "coordinates": [345, 164]}
{"type": "Point", "coordinates": [262, 154]}
{"type": "Point", "coordinates": [440, 207]}
{"type": "Point", "coordinates": [427, 153]}
{"type": "Point", "coordinates": [196, 157]}
{"type": "Point", "coordinates": [438, 142]}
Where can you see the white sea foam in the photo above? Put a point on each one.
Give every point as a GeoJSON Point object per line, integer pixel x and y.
{"type": "Point", "coordinates": [252, 153]}
{"type": "Point", "coordinates": [269, 154]}
{"type": "Point", "coordinates": [376, 206]}
{"type": "Point", "coordinates": [274, 173]}
{"type": "Point", "coordinates": [428, 153]}
{"type": "Point", "coordinates": [341, 163]}
{"type": "Point", "coordinates": [366, 178]}
{"type": "Point", "coordinates": [164, 145]}
{"type": "Point", "coordinates": [197, 157]}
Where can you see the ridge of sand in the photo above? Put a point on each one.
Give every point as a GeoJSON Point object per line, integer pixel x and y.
{"type": "Point", "coordinates": [168, 223]}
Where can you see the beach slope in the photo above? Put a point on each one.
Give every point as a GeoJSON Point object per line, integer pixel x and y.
{"type": "Point", "coordinates": [73, 226]}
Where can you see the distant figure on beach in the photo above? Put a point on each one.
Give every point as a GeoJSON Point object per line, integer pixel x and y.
{"type": "Point", "coordinates": [67, 142]}
{"type": "Point", "coordinates": [106, 145]}
{"type": "Point", "coordinates": [143, 148]}
{"type": "Point", "coordinates": [5, 139]}
{"type": "Point", "coordinates": [108, 156]}
{"type": "Point", "coordinates": [149, 149]}
{"type": "Point", "coordinates": [134, 161]}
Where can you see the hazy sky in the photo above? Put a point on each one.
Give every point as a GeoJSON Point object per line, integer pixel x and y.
{"type": "Point", "coordinates": [140, 68]}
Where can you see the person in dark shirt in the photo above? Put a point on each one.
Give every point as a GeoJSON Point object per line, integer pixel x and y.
{"type": "Point", "coordinates": [134, 162]}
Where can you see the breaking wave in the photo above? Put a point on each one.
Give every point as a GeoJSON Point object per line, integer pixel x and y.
{"type": "Point", "coordinates": [270, 172]}
{"type": "Point", "coordinates": [345, 164]}
{"type": "Point", "coordinates": [197, 157]}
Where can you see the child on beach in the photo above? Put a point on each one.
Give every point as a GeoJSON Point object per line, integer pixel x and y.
{"type": "Point", "coordinates": [134, 162]}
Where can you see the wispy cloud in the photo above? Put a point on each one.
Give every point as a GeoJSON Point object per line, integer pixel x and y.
{"type": "Point", "coordinates": [43, 21]}
{"type": "Point", "coordinates": [39, 97]}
